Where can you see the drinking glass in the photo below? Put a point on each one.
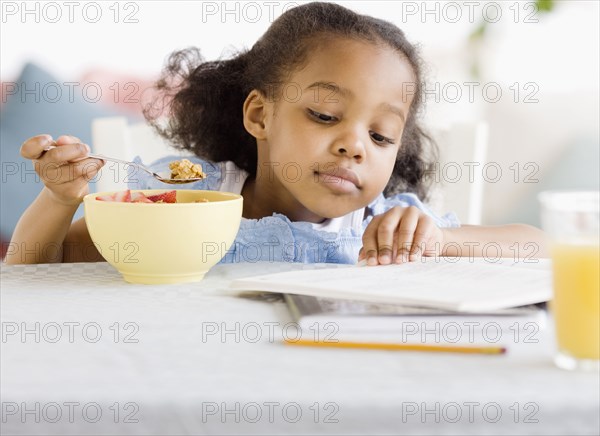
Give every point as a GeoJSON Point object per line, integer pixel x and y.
{"type": "Point", "coordinates": [571, 221]}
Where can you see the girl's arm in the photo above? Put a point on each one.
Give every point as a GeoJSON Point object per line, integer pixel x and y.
{"type": "Point", "coordinates": [513, 240]}
{"type": "Point", "coordinates": [78, 245]}
{"type": "Point", "coordinates": [44, 233]}
{"type": "Point", "coordinates": [404, 234]}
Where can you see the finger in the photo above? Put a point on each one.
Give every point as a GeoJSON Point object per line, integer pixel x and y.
{"type": "Point", "coordinates": [33, 148]}
{"type": "Point", "coordinates": [385, 234]}
{"type": "Point", "coordinates": [57, 174]}
{"type": "Point", "coordinates": [369, 239]}
{"type": "Point", "coordinates": [89, 168]}
{"type": "Point", "coordinates": [421, 235]}
{"type": "Point", "coordinates": [63, 154]}
{"type": "Point", "coordinates": [67, 139]}
{"type": "Point", "coordinates": [405, 233]}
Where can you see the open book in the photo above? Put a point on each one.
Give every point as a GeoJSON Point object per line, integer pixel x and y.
{"type": "Point", "coordinates": [328, 318]}
{"type": "Point", "coordinates": [458, 285]}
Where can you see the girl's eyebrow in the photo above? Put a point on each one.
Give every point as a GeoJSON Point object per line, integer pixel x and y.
{"type": "Point", "coordinates": [393, 109]}
{"type": "Point", "coordinates": [344, 92]}
{"type": "Point", "coordinates": [331, 86]}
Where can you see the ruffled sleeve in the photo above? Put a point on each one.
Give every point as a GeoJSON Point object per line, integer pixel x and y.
{"type": "Point", "coordinates": [276, 238]}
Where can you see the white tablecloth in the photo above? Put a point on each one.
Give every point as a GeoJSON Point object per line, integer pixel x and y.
{"type": "Point", "coordinates": [83, 352]}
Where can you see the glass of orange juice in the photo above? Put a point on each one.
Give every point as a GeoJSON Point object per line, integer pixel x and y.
{"type": "Point", "coordinates": [571, 221]}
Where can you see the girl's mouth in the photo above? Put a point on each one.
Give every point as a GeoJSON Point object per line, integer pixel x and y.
{"type": "Point", "coordinates": [340, 179]}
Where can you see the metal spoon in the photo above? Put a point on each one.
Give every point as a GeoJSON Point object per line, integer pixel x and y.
{"type": "Point", "coordinates": [140, 166]}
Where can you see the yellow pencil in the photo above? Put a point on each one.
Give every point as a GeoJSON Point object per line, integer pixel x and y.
{"type": "Point", "coordinates": [399, 347]}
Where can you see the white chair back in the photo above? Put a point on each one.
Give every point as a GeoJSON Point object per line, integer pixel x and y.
{"type": "Point", "coordinates": [459, 173]}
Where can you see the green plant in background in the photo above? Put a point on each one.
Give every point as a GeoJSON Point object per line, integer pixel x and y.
{"type": "Point", "coordinates": [477, 36]}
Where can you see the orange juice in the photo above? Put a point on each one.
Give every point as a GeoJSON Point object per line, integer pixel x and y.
{"type": "Point", "coordinates": [576, 303]}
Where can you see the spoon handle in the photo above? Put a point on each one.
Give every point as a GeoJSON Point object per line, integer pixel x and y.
{"type": "Point", "coordinates": [112, 159]}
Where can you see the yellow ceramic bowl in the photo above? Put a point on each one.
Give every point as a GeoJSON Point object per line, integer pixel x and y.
{"type": "Point", "coordinates": [164, 242]}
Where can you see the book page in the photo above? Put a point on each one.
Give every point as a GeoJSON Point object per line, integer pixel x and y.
{"type": "Point", "coordinates": [460, 284]}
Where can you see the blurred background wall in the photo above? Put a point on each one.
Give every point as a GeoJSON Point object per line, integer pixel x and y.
{"type": "Point", "coordinates": [528, 68]}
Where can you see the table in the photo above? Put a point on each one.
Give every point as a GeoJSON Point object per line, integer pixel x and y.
{"type": "Point", "coordinates": [83, 352]}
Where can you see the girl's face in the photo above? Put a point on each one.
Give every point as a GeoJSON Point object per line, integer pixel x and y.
{"type": "Point", "coordinates": [332, 134]}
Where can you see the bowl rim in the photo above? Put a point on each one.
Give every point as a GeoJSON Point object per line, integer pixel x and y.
{"type": "Point", "coordinates": [229, 196]}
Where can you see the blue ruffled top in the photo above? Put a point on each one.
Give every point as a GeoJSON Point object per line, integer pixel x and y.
{"type": "Point", "coordinates": [276, 238]}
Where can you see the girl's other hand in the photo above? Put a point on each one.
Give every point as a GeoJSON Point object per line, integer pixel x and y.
{"type": "Point", "coordinates": [64, 170]}
{"type": "Point", "coordinates": [400, 235]}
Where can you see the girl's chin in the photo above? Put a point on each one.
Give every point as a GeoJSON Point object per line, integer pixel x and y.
{"type": "Point", "coordinates": [329, 209]}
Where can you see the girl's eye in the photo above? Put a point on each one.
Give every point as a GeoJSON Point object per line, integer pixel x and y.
{"type": "Point", "coordinates": [321, 117]}
{"type": "Point", "coordinates": [381, 139]}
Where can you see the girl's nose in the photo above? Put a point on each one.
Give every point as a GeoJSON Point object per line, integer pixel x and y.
{"type": "Point", "coordinates": [350, 145]}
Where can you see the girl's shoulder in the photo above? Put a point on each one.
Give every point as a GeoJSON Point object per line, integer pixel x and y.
{"type": "Point", "coordinates": [221, 176]}
{"type": "Point", "coordinates": [407, 199]}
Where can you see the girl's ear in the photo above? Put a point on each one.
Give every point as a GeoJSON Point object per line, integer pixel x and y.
{"type": "Point", "coordinates": [255, 112]}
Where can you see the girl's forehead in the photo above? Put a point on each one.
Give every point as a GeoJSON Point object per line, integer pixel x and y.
{"type": "Point", "coordinates": [347, 53]}
{"type": "Point", "coordinates": [356, 65]}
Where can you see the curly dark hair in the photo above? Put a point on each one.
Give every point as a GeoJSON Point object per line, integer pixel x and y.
{"type": "Point", "coordinates": [190, 89]}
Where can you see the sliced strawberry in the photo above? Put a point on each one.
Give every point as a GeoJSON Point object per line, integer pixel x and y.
{"type": "Point", "coordinates": [108, 197]}
{"type": "Point", "coordinates": [139, 197]}
{"type": "Point", "coordinates": [123, 196]}
{"type": "Point", "coordinates": [164, 197]}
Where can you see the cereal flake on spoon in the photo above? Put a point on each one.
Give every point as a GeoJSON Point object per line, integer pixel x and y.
{"type": "Point", "coordinates": [185, 169]}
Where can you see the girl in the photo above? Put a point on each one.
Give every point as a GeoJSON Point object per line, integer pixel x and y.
{"type": "Point", "coordinates": [312, 126]}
